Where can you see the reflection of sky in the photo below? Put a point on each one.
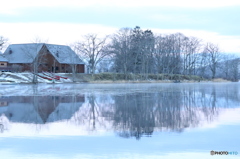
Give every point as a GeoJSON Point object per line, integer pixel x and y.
{"type": "Point", "coordinates": [63, 140]}
{"type": "Point", "coordinates": [165, 144]}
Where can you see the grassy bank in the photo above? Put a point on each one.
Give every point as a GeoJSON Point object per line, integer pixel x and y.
{"type": "Point", "coordinates": [122, 78]}
{"type": "Point", "coordinates": [108, 78]}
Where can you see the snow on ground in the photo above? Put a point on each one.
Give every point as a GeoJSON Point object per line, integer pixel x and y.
{"type": "Point", "coordinates": [8, 77]}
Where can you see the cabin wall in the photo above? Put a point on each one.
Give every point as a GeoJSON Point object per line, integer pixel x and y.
{"type": "Point", "coordinates": [3, 64]}
{"type": "Point", "coordinates": [50, 64]}
{"type": "Point", "coordinates": [16, 67]}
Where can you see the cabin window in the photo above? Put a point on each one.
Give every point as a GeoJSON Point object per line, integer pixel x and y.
{"type": "Point", "coordinates": [2, 63]}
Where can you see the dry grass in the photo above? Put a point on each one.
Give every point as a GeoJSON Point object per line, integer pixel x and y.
{"type": "Point", "coordinates": [129, 81]}
{"type": "Point", "coordinates": [220, 80]}
{"type": "Point", "coordinates": [135, 78]}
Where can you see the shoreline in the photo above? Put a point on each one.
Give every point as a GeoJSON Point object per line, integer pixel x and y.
{"type": "Point", "coordinates": [118, 82]}
{"type": "Point", "coordinates": [103, 78]}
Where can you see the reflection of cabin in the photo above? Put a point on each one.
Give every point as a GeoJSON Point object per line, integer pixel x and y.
{"type": "Point", "coordinates": [40, 109]}
{"type": "Point", "coordinates": [46, 57]}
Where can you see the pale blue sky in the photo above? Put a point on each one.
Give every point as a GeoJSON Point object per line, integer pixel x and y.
{"type": "Point", "coordinates": [63, 22]}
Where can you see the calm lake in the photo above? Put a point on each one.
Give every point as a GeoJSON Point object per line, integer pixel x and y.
{"type": "Point", "coordinates": [116, 121]}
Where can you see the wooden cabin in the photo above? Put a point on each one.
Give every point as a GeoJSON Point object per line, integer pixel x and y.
{"type": "Point", "coordinates": [46, 57]}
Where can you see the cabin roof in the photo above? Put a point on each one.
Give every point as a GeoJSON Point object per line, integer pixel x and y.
{"type": "Point", "coordinates": [26, 53]}
{"type": "Point", "coordinates": [64, 54]}
{"type": "Point", "coordinates": [2, 58]}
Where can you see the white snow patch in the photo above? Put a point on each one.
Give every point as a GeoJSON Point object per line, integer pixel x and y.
{"type": "Point", "coordinates": [11, 78]}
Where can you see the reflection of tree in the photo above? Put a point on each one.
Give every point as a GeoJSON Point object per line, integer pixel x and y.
{"type": "Point", "coordinates": [4, 123]}
{"type": "Point", "coordinates": [170, 110]}
{"type": "Point", "coordinates": [1, 128]}
{"type": "Point", "coordinates": [93, 109]}
{"type": "Point", "coordinates": [134, 115]}
{"type": "Point", "coordinates": [168, 113]}
{"type": "Point", "coordinates": [94, 114]}
{"type": "Point", "coordinates": [213, 100]}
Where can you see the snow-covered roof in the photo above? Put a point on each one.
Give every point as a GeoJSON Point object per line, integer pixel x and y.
{"type": "Point", "coordinates": [2, 58]}
{"type": "Point", "coordinates": [26, 53]}
{"type": "Point", "coordinates": [64, 54]}
{"type": "Point", "coordinates": [22, 53]}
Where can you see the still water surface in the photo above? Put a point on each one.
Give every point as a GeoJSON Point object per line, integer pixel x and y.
{"type": "Point", "coordinates": [119, 120]}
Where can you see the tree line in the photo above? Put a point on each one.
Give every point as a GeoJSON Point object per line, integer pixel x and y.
{"type": "Point", "coordinates": [138, 51]}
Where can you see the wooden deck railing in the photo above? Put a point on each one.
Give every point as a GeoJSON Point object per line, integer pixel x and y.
{"type": "Point", "coordinates": [6, 69]}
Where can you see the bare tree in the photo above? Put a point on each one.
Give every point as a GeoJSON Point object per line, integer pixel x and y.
{"type": "Point", "coordinates": [133, 51]}
{"type": "Point", "coordinates": [121, 48]}
{"type": "Point", "coordinates": [105, 65]}
{"type": "Point", "coordinates": [225, 66]}
{"type": "Point", "coordinates": [168, 53]}
{"type": "Point", "coordinates": [92, 49]}
{"type": "Point", "coordinates": [32, 52]}
{"type": "Point", "coordinates": [202, 64]}
{"type": "Point", "coordinates": [3, 42]}
{"type": "Point", "coordinates": [214, 57]}
{"type": "Point", "coordinates": [191, 50]}
{"type": "Point", "coordinates": [148, 51]}
{"type": "Point", "coordinates": [142, 48]}
{"type": "Point", "coordinates": [235, 70]}
{"type": "Point", "coordinates": [73, 66]}
{"type": "Point", "coordinates": [158, 53]}
{"type": "Point", "coordinates": [34, 56]}
{"type": "Point", "coordinates": [229, 69]}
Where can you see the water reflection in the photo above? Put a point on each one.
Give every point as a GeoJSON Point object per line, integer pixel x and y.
{"type": "Point", "coordinates": [40, 109]}
{"type": "Point", "coordinates": [129, 114]}
{"type": "Point", "coordinates": [134, 115]}
{"type": "Point", "coordinates": [4, 123]}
